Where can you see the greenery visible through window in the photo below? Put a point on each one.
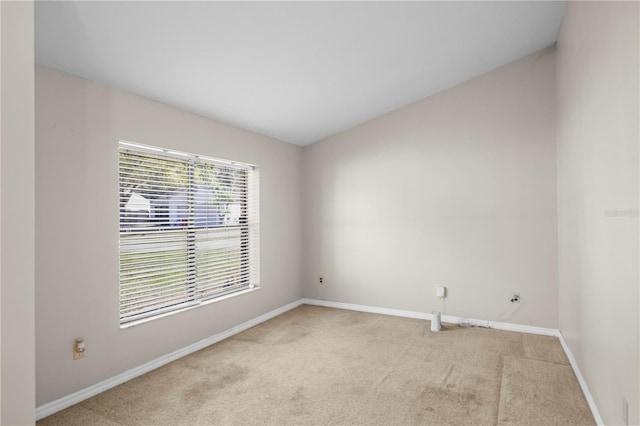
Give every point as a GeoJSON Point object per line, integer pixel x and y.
{"type": "Point", "coordinates": [188, 230]}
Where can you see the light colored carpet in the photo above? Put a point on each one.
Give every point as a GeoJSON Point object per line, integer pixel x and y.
{"type": "Point", "coordinates": [324, 366]}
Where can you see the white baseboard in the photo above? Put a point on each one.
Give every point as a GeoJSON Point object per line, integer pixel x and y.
{"type": "Point", "coordinates": [369, 309]}
{"type": "Point", "coordinates": [529, 329]}
{"type": "Point", "coordinates": [79, 396]}
{"type": "Point", "coordinates": [583, 383]}
{"type": "Point", "coordinates": [76, 397]}
{"type": "Point", "coordinates": [445, 318]}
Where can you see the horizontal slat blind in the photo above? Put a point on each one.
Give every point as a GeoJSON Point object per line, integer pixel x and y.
{"type": "Point", "coordinates": [189, 230]}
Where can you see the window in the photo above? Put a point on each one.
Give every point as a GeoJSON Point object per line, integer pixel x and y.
{"type": "Point", "coordinates": [188, 230]}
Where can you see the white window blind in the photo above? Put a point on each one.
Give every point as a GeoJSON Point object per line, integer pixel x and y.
{"type": "Point", "coordinates": [189, 230]}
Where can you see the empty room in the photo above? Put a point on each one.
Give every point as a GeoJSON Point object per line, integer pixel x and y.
{"type": "Point", "coordinates": [345, 213]}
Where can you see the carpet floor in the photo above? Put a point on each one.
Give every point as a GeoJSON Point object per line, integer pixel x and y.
{"type": "Point", "coordinates": [322, 366]}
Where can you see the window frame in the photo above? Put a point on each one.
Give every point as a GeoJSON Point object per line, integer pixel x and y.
{"type": "Point", "coordinates": [241, 268]}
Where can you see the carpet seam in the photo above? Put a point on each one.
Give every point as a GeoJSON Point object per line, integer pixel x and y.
{"type": "Point", "coordinates": [500, 389]}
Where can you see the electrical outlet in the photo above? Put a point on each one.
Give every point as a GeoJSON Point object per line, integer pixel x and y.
{"type": "Point", "coordinates": [78, 348]}
{"type": "Point", "coordinates": [321, 280]}
{"type": "Point", "coordinates": [515, 298]}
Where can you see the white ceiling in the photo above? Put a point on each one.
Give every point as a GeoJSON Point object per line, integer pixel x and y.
{"type": "Point", "coordinates": [296, 71]}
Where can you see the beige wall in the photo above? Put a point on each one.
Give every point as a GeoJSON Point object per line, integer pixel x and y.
{"type": "Point", "coordinates": [458, 189]}
{"type": "Point", "coordinates": [597, 136]}
{"type": "Point", "coordinates": [78, 125]}
{"type": "Point", "coordinates": [17, 378]}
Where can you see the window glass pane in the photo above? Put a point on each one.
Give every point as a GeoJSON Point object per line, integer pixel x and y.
{"type": "Point", "coordinates": [153, 191]}
{"type": "Point", "coordinates": [153, 272]}
{"type": "Point", "coordinates": [219, 195]}
{"type": "Point", "coordinates": [219, 266]}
